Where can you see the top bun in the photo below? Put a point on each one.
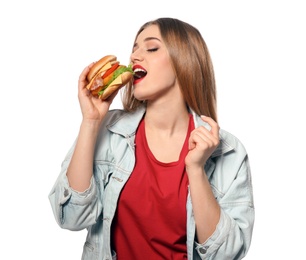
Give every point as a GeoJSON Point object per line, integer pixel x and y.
{"type": "Point", "coordinates": [99, 64]}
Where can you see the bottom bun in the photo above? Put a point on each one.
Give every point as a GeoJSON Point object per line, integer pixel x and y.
{"type": "Point", "coordinates": [118, 83]}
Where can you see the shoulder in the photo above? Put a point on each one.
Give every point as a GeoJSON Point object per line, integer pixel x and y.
{"type": "Point", "coordinates": [229, 142]}
{"type": "Point", "coordinates": [227, 165]}
{"type": "Point", "coordinates": [122, 122]}
{"type": "Point", "coordinates": [113, 115]}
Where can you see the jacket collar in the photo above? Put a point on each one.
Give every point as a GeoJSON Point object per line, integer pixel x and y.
{"type": "Point", "coordinates": [127, 124]}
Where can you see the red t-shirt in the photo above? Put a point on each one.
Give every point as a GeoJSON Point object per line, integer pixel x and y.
{"type": "Point", "coordinates": [150, 221]}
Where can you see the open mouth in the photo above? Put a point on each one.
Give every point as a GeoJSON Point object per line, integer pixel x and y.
{"type": "Point", "coordinates": [139, 73]}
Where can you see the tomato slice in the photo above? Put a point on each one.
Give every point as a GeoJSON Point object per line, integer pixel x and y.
{"type": "Point", "coordinates": [110, 70]}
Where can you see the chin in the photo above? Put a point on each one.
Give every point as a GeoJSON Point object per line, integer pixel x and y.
{"type": "Point", "coordinates": [142, 99]}
{"type": "Point", "coordinates": [139, 95]}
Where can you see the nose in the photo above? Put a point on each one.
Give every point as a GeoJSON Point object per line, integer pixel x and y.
{"type": "Point", "coordinates": [136, 56]}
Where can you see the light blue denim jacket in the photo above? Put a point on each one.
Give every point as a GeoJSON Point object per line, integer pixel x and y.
{"type": "Point", "coordinates": [228, 172]}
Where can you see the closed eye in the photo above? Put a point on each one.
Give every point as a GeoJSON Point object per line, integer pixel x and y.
{"type": "Point", "coordinates": [152, 50]}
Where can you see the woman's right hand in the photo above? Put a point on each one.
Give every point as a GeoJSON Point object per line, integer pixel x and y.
{"type": "Point", "coordinates": [93, 109]}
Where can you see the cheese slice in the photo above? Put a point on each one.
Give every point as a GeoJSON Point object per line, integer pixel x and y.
{"type": "Point", "coordinates": [106, 66]}
{"type": "Point", "coordinates": [117, 80]}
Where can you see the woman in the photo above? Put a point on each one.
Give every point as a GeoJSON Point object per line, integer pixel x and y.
{"type": "Point", "coordinates": [158, 179]}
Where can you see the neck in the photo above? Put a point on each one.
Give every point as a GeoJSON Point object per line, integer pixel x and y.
{"type": "Point", "coordinates": [168, 117]}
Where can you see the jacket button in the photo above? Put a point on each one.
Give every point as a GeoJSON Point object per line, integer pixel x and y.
{"type": "Point", "coordinates": [202, 250]}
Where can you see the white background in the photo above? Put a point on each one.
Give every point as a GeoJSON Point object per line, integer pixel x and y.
{"type": "Point", "coordinates": [258, 50]}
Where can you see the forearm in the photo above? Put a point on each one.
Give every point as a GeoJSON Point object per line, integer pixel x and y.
{"type": "Point", "coordinates": [80, 169]}
{"type": "Point", "coordinates": [205, 207]}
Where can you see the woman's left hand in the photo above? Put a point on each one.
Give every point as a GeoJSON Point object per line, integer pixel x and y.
{"type": "Point", "coordinates": [202, 143]}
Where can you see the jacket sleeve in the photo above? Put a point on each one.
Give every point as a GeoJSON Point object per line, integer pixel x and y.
{"type": "Point", "coordinates": [74, 210]}
{"type": "Point", "coordinates": [232, 187]}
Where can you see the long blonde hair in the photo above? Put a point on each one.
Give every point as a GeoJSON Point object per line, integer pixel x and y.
{"type": "Point", "coordinates": [191, 62]}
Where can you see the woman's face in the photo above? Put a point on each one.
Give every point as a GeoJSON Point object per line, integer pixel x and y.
{"type": "Point", "coordinates": [154, 75]}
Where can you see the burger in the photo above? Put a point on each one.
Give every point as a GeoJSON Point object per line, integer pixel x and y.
{"type": "Point", "coordinates": [107, 75]}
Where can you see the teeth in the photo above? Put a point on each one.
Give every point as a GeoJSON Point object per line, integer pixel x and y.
{"type": "Point", "coordinates": [139, 70]}
{"type": "Point", "coordinates": [139, 73]}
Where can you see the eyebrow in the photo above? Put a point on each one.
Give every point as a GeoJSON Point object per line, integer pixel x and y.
{"type": "Point", "coordinates": [146, 40]}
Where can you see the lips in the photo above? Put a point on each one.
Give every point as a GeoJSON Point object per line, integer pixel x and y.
{"type": "Point", "coordinates": [139, 73]}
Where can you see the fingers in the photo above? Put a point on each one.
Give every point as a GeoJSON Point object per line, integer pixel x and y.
{"type": "Point", "coordinates": [214, 126]}
{"type": "Point", "coordinates": [82, 78]}
{"type": "Point", "coordinates": [204, 137]}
